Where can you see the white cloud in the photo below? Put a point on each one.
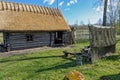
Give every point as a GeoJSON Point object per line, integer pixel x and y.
{"type": "Point", "coordinates": [61, 3]}
{"type": "Point", "coordinates": [68, 4]}
{"type": "Point", "coordinates": [50, 2]}
{"type": "Point", "coordinates": [71, 2]}
{"type": "Point", "coordinates": [66, 9]}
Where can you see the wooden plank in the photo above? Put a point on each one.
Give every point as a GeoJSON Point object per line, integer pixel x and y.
{"type": "Point", "coordinates": [21, 7]}
{"type": "Point", "coordinates": [49, 11]}
{"type": "Point", "coordinates": [1, 6]}
{"type": "Point", "coordinates": [53, 13]}
{"type": "Point", "coordinates": [12, 6]}
{"type": "Point", "coordinates": [31, 9]}
{"type": "Point", "coordinates": [28, 45]}
{"type": "Point", "coordinates": [16, 5]}
{"type": "Point", "coordinates": [4, 5]}
{"type": "Point", "coordinates": [9, 6]}
{"type": "Point", "coordinates": [59, 13]}
{"type": "Point", "coordinates": [109, 38]}
{"type": "Point", "coordinates": [94, 37]}
{"type": "Point", "coordinates": [43, 9]}
{"type": "Point", "coordinates": [38, 10]}
{"type": "Point", "coordinates": [27, 7]}
{"type": "Point", "coordinates": [35, 9]}
{"type": "Point", "coordinates": [56, 12]}
{"type": "Point", "coordinates": [113, 36]}
{"type": "Point", "coordinates": [22, 47]}
{"type": "Point", "coordinates": [18, 40]}
{"type": "Point", "coordinates": [24, 7]}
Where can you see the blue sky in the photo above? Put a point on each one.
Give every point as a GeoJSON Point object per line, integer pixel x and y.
{"type": "Point", "coordinates": [74, 11]}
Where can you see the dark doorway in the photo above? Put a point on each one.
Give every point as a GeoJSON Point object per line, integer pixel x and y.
{"type": "Point", "coordinates": [59, 37]}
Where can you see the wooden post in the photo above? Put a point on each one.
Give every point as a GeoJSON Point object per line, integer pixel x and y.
{"type": "Point", "coordinates": [79, 59]}
{"type": "Point", "coordinates": [73, 35]}
{"type": "Point", "coordinates": [50, 38]}
{"type": "Point", "coordinates": [8, 47]}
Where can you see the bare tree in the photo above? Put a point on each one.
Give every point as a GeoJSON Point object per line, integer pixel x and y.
{"type": "Point", "coordinates": [111, 11]}
{"type": "Point", "coordinates": [103, 5]}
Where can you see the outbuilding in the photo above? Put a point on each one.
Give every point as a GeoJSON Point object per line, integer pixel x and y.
{"type": "Point", "coordinates": [27, 26]}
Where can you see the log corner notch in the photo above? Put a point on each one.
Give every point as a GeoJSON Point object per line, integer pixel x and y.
{"type": "Point", "coordinates": [102, 41]}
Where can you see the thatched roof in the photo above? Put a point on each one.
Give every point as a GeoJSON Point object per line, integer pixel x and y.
{"type": "Point", "coordinates": [22, 17]}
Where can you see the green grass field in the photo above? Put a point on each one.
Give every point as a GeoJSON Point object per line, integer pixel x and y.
{"type": "Point", "coordinates": [51, 65]}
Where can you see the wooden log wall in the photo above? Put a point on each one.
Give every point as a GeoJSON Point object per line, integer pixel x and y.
{"type": "Point", "coordinates": [67, 38]}
{"type": "Point", "coordinates": [19, 40]}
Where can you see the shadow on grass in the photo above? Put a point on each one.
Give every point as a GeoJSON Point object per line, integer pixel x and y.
{"type": "Point", "coordinates": [30, 58]}
{"type": "Point", "coordinates": [61, 66]}
{"type": "Point", "coordinates": [111, 77]}
{"type": "Point", "coordinates": [112, 58]}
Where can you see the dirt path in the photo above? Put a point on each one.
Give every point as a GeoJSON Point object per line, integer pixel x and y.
{"type": "Point", "coordinates": [26, 51]}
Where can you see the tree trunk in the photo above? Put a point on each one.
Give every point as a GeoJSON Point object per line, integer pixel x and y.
{"type": "Point", "coordinates": [105, 13]}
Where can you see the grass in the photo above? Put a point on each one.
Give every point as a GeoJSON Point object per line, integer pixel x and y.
{"type": "Point", "coordinates": [118, 37]}
{"type": "Point", "coordinates": [50, 65]}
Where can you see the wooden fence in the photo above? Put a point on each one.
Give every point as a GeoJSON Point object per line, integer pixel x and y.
{"type": "Point", "coordinates": [76, 34]}
{"type": "Point", "coordinates": [102, 41]}
{"type": "Point", "coordinates": [81, 33]}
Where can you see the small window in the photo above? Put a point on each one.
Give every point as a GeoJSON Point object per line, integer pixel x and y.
{"type": "Point", "coordinates": [29, 37]}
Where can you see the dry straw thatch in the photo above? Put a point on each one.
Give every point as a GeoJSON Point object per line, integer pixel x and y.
{"type": "Point", "coordinates": [22, 17]}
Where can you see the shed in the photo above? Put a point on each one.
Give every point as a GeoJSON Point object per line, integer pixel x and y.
{"type": "Point", "coordinates": [26, 26]}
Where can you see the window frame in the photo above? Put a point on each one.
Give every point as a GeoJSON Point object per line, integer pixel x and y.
{"type": "Point", "coordinates": [29, 37]}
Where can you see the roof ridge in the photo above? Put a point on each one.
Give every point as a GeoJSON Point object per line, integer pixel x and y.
{"type": "Point", "coordinates": [29, 8]}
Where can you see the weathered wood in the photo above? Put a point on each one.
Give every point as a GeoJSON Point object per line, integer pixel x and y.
{"type": "Point", "coordinates": [5, 6]}
{"type": "Point", "coordinates": [67, 38]}
{"type": "Point", "coordinates": [27, 7]}
{"type": "Point", "coordinates": [12, 6]}
{"type": "Point", "coordinates": [103, 41]}
{"type": "Point", "coordinates": [35, 9]}
{"type": "Point", "coordinates": [1, 6]}
{"type": "Point", "coordinates": [18, 40]}
{"type": "Point", "coordinates": [103, 37]}
{"type": "Point", "coordinates": [24, 7]}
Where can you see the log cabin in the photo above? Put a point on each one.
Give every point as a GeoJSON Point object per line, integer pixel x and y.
{"type": "Point", "coordinates": [28, 26]}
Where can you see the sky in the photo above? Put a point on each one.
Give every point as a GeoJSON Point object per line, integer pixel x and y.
{"type": "Point", "coordinates": [74, 11]}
